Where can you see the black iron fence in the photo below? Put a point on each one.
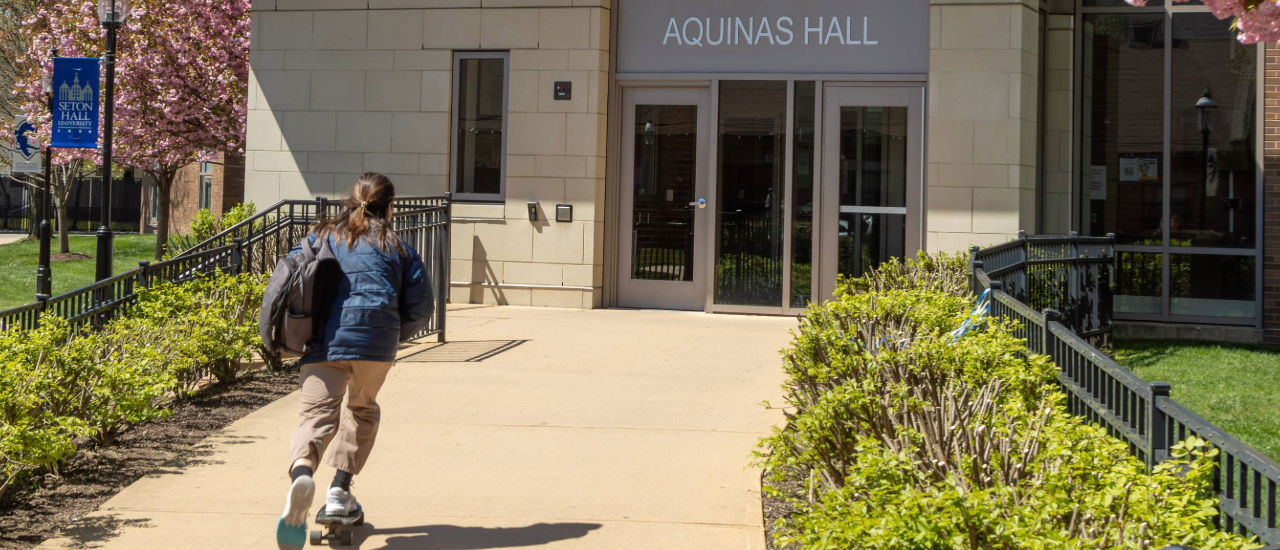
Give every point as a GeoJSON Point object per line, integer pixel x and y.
{"type": "Point", "coordinates": [1137, 412]}
{"type": "Point", "coordinates": [18, 202]}
{"type": "Point", "coordinates": [251, 246]}
{"type": "Point", "coordinates": [1071, 275]}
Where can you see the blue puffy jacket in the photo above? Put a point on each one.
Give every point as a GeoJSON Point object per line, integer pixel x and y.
{"type": "Point", "coordinates": [383, 299]}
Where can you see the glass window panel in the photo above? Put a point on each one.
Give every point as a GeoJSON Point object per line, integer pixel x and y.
{"type": "Point", "coordinates": [665, 171]}
{"type": "Point", "coordinates": [753, 128]}
{"type": "Point", "coordinates": [1213, 195]}
{"type": "Point", "coordinates": [1123, 126]}
{"type": "Point", "coordinates": [802, 195]}
{"type": "Point", "coordinates": [481, 85]}
{"type": "Point", "coordinates": [873, 156]}
{"type": "Point", "coordinates": [1139, 283]}
{"type": "Point", "coordinates": [868, 240]}
{"type": "Point", "coordinates": [1213, 286]}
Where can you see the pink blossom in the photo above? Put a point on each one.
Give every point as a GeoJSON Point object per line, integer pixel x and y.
{"type": "Point", "coordinates": [182, 69]}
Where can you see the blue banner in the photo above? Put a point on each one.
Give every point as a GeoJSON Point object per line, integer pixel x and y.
{"type": "Point", "coordinates": [75, 102]}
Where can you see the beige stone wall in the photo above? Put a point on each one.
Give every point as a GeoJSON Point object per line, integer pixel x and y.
{"type": "Point", "coordinates": [983, 87]}
{"type": "Point", "coordinates": [1058, 127]}
{"type": "Point", "coordinates": [340, 87]}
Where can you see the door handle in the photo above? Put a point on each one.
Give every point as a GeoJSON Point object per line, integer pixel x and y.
{"type": "Point", "coordinates": [700, 203]}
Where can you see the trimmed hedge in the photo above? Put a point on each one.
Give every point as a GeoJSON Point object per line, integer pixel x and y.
{"type": "Point", "coordinates": [906, 437]}
{"type": "Point", "coordinates": [58, 385]}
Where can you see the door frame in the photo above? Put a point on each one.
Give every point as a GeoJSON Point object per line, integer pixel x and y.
{"type": "Point", "coordinates": [664, 294]}
{"type": "Point", "coordinates": [607, 234]}
{"type": "Point", "coordinates": [843, 94]}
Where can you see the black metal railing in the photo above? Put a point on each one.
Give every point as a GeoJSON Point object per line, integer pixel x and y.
{"type": "Point", "coordinates": [102, 301]}
{"type": "Point", "coordinates": [1071, 275]}
{"type": "Point", "coordinates": [251, 246]}
{"type": "Point", "coordinates": [1139, 413]}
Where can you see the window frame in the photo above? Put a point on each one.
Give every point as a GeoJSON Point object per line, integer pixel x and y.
{"type": "Point", "coordinates": [206, 191]}
{"type": "Point", "coordinates": [454, 173]}
{"type": "Point", "coordinates": [1166, 248]}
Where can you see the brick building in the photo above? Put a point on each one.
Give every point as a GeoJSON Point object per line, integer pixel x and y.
{"type": "Point", "coordinates": [736, 157]}
{"type": "Point", "coordinates": [215, 186]}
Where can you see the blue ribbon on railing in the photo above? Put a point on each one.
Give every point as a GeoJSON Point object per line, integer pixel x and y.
{"type": "Point", "coordinates": [980, 310]}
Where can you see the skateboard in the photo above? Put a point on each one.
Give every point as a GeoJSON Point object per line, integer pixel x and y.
{"type": "Point", "coordinates": [337, 528]}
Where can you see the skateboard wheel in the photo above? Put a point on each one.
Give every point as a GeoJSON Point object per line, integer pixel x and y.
{"type": "Point", "coordinates": [345, 538]}
{"type": "Point", "coordinates": [316, 538]}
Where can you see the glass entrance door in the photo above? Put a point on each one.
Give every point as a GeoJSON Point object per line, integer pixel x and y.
{"type": "Point", "coordinates": [872, 179]}
{"type": "Point", "coordinates": [664, 215]}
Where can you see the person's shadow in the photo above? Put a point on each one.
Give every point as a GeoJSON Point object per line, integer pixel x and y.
{"type": "Point", "coordinates": [454, 537]}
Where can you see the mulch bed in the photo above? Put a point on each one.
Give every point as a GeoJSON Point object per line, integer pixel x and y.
{"type": "Point", "coordinates": [68, 256]}
{"type": "Point", "coordinates": [30, 515]}
{"type": "Point", "coordinates": [776, 508]}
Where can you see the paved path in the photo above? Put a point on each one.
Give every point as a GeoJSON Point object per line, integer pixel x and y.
{"type": "Point", "coordinates": [567, 429]}
{"type": "Point", "coordinates": [6, 238]}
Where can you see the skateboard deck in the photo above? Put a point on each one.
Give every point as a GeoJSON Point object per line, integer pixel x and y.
{"type": "Point", "coordinates": [337, 528]}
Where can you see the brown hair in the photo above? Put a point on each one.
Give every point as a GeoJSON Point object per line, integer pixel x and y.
{"type": "Point", "coordinates": [366, 214]}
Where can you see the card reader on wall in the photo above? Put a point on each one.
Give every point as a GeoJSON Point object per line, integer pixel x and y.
{"type": "Point", "coordinates": [533, 211]}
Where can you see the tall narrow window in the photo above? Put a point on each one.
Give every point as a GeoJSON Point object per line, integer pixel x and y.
{"type": "Point", "coordinates": [479, 146]}
{"type": "Point", "coordinates": [804, 146]}
{"type": "Point", "coordinates": [206, 186]}
{"type": "Point", "coordinates": [753, 138]}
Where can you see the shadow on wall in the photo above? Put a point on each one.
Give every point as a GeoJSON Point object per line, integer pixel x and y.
{"type": "Point", "coordinates": [453, 537]}
{"type": "Point", "coordinates": [482, 272]}
{"type": "Point", "coordinates": [313, 132]}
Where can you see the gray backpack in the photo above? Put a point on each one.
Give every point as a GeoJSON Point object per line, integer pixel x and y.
{"type": "Point", "coordinates": [297, 300]}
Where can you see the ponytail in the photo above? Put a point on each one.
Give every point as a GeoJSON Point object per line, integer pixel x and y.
{"type": "Point", "coordinates": [366, 215]}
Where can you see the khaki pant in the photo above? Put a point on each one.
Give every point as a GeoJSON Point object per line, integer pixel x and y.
{"type": "Point", "coordinates": [323, 385]}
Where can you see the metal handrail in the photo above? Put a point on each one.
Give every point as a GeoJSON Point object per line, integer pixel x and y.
{"type": "Point", "coordinates": [260, 239]}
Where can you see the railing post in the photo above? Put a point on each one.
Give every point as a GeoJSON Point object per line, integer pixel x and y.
{"type": "Point", "coordinates": [1156, 421]}
{"type": "Point", "coordinates": [43, 300]}
{"type": "Point", "coordinates": [446, 280]}
{"type": "Point", "coordinates": [1050, 342]}
{"type": "Point", "coordinates": [322, 208]}
{"type": "Point", "coordinates": [1023, 290]}
{"type": "Point", "coordinates": [974, 266]}
{"type": "Point", "coordinates": [144, 278]}
{"type": "Point", "coordinates": [237, 259]}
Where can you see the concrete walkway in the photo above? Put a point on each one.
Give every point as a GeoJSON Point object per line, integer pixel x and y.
{"type": "Point", "coordinates": [7, 238]}
{"type": "Point", "coordinates": [605, 429]}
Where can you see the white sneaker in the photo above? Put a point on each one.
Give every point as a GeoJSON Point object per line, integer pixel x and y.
{"type": "Point", "coordinates": [340, 502]}
{"type": "Point", "coordinates": [291, 530]}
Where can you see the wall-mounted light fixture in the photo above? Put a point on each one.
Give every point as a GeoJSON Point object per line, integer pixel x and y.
{"type": "Point", "coordinates": [533, 211]}
{"type": "Point", "coordinates": [564, 212]}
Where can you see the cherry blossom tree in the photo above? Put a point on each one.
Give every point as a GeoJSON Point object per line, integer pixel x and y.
{"type": "Point", "coordinates": [182, 74]}
{"type": "Point", "coordinates": [1255, 20]}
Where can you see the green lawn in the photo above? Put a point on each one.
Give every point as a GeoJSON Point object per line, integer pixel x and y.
{"type": "Point", "coordinates": [18, 262]}
{"type": "Point", "coordinates": [1232, 386]}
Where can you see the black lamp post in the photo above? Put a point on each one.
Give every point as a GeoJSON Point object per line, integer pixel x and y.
{"type": "Point", "coordinates": [44, 275]}
{"type": "Point", "coordinates": [1206, 105]}
{"type": "Point", "coordinates": [113, 14]}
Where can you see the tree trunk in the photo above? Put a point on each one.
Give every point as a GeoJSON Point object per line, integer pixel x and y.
{"type": "Point", "coordinates": [64, 241]}
{"type": "Point", "coordinates": [34, 208]}
{"type": "Point", "coordinates": [165, 183]}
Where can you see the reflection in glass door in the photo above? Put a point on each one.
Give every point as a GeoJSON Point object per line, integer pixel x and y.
{"type": "Point", "coordinates": [752, 176]}
{"type": "Point", "coordinates": [663, 199]}
{"type": "Point", "coordinates": [873, 184]}
{"type": "Point", "coordinates": [872, 179]}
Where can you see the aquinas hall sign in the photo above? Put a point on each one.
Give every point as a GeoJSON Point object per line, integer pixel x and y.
{"type": "Point", "coordinates": [779, 36]}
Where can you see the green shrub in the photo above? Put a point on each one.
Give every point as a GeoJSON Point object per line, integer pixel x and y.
{"type": "Point", "coordinates": [58, 384]}
{"type": "Point", "coordinates": [205, 225]}
{"type": "Point", "coordinates": [906, 437]}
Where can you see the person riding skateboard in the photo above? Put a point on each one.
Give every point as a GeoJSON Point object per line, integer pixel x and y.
{"type": "Point", "coordinates": [383, 299]}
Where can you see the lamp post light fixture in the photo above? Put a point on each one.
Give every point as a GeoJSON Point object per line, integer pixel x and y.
{"type": "Point", "coordinates": [113, 14]}
{"type": "Point", "coordinates": [1205, 107]}
{"type": "Point", "coordinates": [44, 274]}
